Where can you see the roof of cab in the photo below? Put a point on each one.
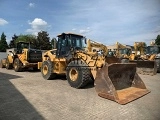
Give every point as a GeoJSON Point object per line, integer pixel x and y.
{"type": "Point", "coordinates": [68, 33]}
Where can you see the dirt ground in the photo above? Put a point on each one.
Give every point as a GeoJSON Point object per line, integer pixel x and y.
{"type": "Point", "coordinates": [27, 96]}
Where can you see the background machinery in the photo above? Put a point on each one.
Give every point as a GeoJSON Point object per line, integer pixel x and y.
{"type": "Point", "coordinates": [75, 57]}
{"type": "Point", "coordinates": [145, 65]}
{"type": "Point", "coordinates": [22, 57]}
{"type": "Point", "coordinates": [153, 54]}
{"type": "Point", "coordinates": [123, 52]}
{"type": "Point", "coordinates": [138, 55]}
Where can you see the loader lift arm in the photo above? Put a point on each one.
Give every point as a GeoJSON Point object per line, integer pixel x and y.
{"type": "Point", "coordinates": [123, 51]}
{"type": "Point", "coordinates": [139, 46]}
{"type": "Point", "coordinates": [92, 44]}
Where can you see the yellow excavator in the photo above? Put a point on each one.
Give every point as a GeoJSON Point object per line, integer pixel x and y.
{"type": "Point", "coordinates": [145, 64]}
{"type": "Point", "coordinates": [123, 52]}
{"type": "Point", "coordinates": [81, 64]}
{"type": "Point", "coordinates": [153, 54]}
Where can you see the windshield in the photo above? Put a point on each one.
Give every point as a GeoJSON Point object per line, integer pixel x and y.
{"type": "Point", "coordinates": [125, 51]}
{"type": "Point", "coordinates": [62, 42]}
{"type": "Point", "coordinates": [79, 41]}
{"type": "Point", "coordinates": [152, 50]}
{"type": "Point", "coordinates": [22, 45]}
{"type": "Point", "coordinates": [72, 41]}
{"type": "Point", "coordinates": [111, 53]}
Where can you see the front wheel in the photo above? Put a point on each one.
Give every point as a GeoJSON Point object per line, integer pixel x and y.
{"type": "Point", "coordinates": [78, 74]}
{"type": "Point", "coordinates": [17, 65]}
{"type": "Point", "coordinates": [8, 65]}
{"type": "Point", "coordinates": [47, 70]}
{"type": "Point", "coordinates": [2, 65]}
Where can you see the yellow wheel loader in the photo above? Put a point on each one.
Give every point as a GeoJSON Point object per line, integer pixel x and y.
{"type": "Point", "coordinates": [22, 57]}
{"type": "Point", "coordinates": [74, 57]}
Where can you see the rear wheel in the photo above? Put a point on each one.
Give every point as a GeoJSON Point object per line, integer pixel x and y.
{"type": "Point", "coordinates": [46, 70]}
{"type": "Point", "coordinates": [8, 65]}
{"type": "Point", "coordinates": [78, 74]}
{"type": "Point", "coordinates": [17, 65]}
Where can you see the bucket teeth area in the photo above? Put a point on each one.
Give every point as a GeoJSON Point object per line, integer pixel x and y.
{"type": "Point", "coordinates": [120, 82]}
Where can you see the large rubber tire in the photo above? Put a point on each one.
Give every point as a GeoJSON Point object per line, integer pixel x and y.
{"type": "Point", "coordinates": [8, 65]}
{"type": "Point", "coordinates": [17, 65]}
{"type": "Point", "coordinates": [47, 70]}
{"type": "Point", "coordinates": [158, 64]}
{"type": "Point", "coordinates": [35, 68]}
{"type": "Point", "coordinates": [2, 65]}
{"type": "Point", "coordinates": [78, 74]}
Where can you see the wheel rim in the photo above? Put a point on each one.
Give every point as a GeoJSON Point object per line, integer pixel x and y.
{"type": "Point", "coordinates": [45, 69]}
{"type": "Point", "coordinates": [73, 74]}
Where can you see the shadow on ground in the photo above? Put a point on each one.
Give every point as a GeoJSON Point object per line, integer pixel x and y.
{"type": "Point", "coordinates": [63, 77]}
{"type": "Point", "coordinates": [13, 105]}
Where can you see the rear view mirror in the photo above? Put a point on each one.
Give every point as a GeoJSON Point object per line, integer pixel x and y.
{"type": "Point", "coordinates": [85, 40]}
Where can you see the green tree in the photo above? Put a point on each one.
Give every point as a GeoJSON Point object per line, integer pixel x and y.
{"type": "Point", "coordinates": [3, 43]}
{"type": "Point", "coordinates": [28, 38]}
{"type": "Point", "coordinates": [12, 43]}
{"type": "Point", "coordinates": [44, 40]}
{"type": "Point", "coordinates": [157, 40]}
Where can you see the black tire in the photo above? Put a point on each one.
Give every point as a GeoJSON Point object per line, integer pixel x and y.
{"type": "Point", "coordinates": [2, 65]}
{"type": "Point", "coordinates": [35, 68]}
{"type": "Point", "coordinates": [8, 65]}
{"type": "Point", "coordinates": [158, 64]}
{"type": "Point", "coordinates": [78, 74]}
{"type": "Point", "coordinates": [17, 65]}
{"type": "Point", "coordinates": [46, 70]}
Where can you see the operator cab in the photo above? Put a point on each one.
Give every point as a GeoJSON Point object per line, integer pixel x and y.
{"type": "Point", "coordinates": [153, 49]}
{"type": "Point", "coordinates": [21, 46]}
{"type": "Point", "coordinates": [69, 41]}
{"type": "Point", "coordinates": [125, 51]}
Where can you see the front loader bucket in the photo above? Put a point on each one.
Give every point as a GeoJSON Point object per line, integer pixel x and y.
{"type": "Point", "coordinates": [146, 67]}
{"type": "Point", "coordinates": [120, 82]}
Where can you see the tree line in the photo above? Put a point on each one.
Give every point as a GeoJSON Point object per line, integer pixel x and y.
{"type": "Point", "coordinates": [41, 41]}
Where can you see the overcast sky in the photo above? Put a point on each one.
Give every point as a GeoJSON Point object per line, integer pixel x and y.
{"type": "Point", "coordinates": [105, 21]}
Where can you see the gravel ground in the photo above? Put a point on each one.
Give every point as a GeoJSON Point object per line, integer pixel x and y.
{"type": "Point", "coordinates": [27, 96]}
